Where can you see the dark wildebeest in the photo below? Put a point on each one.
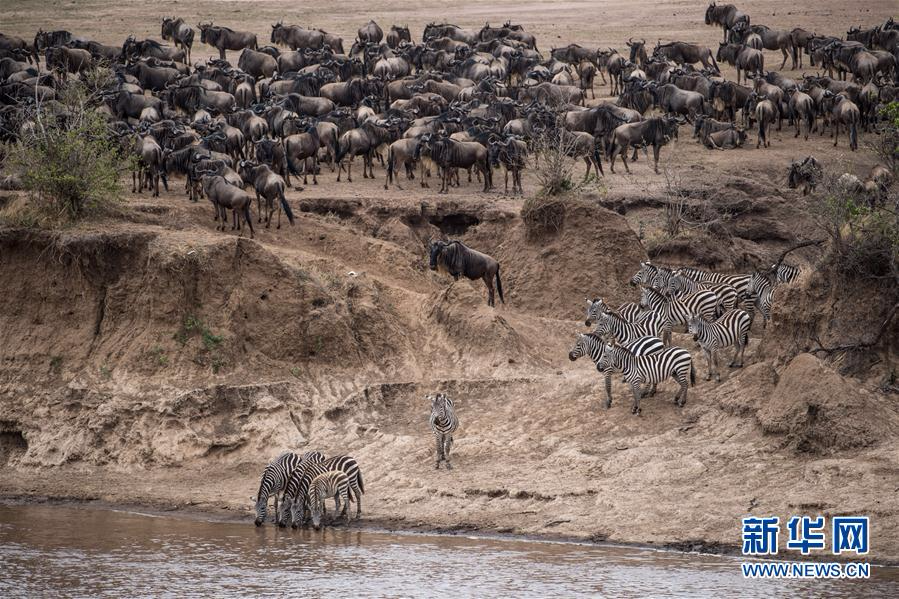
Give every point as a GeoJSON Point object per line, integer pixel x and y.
{"type": "Point", "coordinates": [744, 58]}
{"type": "Point", "coordinates": [672, 99]}
{"type": "Point", "coordinates": [401, 152]}
{"type": "Point", "coordinates": [133, 49]}
{"type": "Point", "coordinates": [398, 34]}
{"type": "Point", "coordinates": [48, 39]}
{"type": "Point", "coordinates": [267, 185]}
{"type": "Point", "coordinates": [68, 60]}
{"type": "Point", "coordinates": [704, 126]}
{"type": "Point", "coordinates": [686, 53]}
{"type": "Point", "coordinates": [179, 32]}
{"type": "Point", "coordinates": [800, 38]}
{"type": "Point", "coordinates": [449, 155]}
{"type": "Point", "coordinates": [802, 108]}
{"type": "Point", "coordinates": [776, 39]}
{"type": "Point", "coordinates": [257, 64]}
{"type": "Point", "coordinates": [638, 52]}
{"type": "Point", "coordinates": [271, 152]}
{"type": "Point", "coordinates": [586, 73]}
{"type": "Point", "coordinates": [150, 165]}
{"type": "Point", "coordinates": [512, 153]}
{"type": "Point", "coordinates": [458, 259]}
{"type": "Point", "coordinates": [300, 148]}
{"type": "Point", "coordinates": [19, 46]}
{"type": "Point", "coordinates": [807, 174]}
{"type": "Point", "coordinates": [726, 15]}
{"type": "Point", "coordinates": [765, 112]}
{"type": "Point", "coordinates": [370, 33]}
{"type": "Point", "coordinates": [362, 141]}
{"type": "Point", "coordinates": [224, 38]}
{"type": "Point", "coordinates": [729, 138]}
{"type": "Point", "coordinates": [843, 111]}
{"type": "Point", "coordinates": [656, 132]}
{"type": "Point", "coordinates": [225, 196]}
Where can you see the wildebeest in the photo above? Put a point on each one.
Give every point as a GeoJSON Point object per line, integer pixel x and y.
{"type": "Point", "coordinates": [134, 49]}
{"type": "Point", "coordinates": [267, 185]}
{"type": "Point", "coordinates": [225, 38]}
{"type": "Point", "coordinates": [361, 141]}
{"type": "Point", "coordinates": [802, 108]}
{"type": "Point", "coordinates": [843, 111]}
{"type": "Point", "coordinates": [686, 53]}
{"type": "Point", "coordinates": [257, 64]}
{"type": "Point", "coordinates": [731, 96]}
{"type": "Point", "coordinates": [728, 138]}
{"type": "Point", "coordinates": [401, 153]}
{"type": "Point", "coordinates": [450, 155]}
{"type": "Point", "coordinates": [766, 112]}
{"type": "Point", "coordinates": [638, 51]}
{"type": "Point", "coordinates": [271, 152]}
{"type": "Point", "coordinates": [458, 259]}
{"type": "Point", "coordinates": [300, 148]}
{"type": "Point", "coordinates": [370, 33]}
{"type": "Point", "coordinates": [775, 39]}
{"type": "Point", "coordinates": [68, 60]}
{"type": "Point", "coordinates": [225, 196]}
{"type": "Point", "coordinates": [586, 73]}
{"type": "Point", "coordinates": [744, 58]}
{"type": "Point", "coordinates": [15, 44]}
{"type": "Point", "coordinates": [704, 126]}
{"type": "Point", "coordinates": [150, 165]}
{"type": "Point", "coordinates": [807, 174]}
{"type": "Point", "coordinates": [512, 154]}
{"type": "Point", "coordinates": [674, 100]}
{"type": "Point", "coordinates": [398, 34]}
{"type": "Point", "coordinates": [655, 132]}
{"type": "Point", "coordinates": [179, 32]}
{"type": "Point", "coordinates": [726, 15]}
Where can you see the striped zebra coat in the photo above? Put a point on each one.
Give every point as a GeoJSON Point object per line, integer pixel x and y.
{"type": "Point", "coordinates": [738, 282]}
{"type": "Point", "coordinates": [274, 479]}
{"type": "Point", "coordinates": [677, 311]}
{"type": "Point", "coordinates": [443, 422]}
{"type": "Point", "coordinates": [629, 311]}
{"type": "Point", "coordinates": [592, 345]}
{"type": "Point", "coordinates": [681, 285]}
{"type": "Point", "coordinates": [333, 483]}
{"type": "Point", "coordinates": [674, 362]}
{"type": "Point", "coordinates": [759, 297]}
{"type": "Point", "coordinates": [731, 329]}
{"type": "Point", "coordinates": [296, 494]}
{"type": "Point", "coordinates": [611, 324]}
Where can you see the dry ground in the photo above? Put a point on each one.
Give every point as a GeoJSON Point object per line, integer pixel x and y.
{"type": "Point", "coordinates": [118, 401]}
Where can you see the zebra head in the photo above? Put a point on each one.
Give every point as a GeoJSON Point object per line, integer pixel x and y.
{"type": "Point", "coordinates": [316, 504]}
{"type": "Point", "coordinates": [579, 348]}
{"type": "Point", "coordinates": [261, 508]}
{"type": "Point", "coordinates": [693, 325]}
{"type": "Point", "coordinates": [439, 404]}
{"type": "Point", "coordinates": [296, 510]}
{"type": "Point", "coordinates": [595, 309]}
{"type": "Point", "coordinates": [644, 275]}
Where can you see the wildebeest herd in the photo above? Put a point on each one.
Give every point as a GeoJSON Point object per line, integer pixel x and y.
{"type": "Point", "coordinates": [459, 99]}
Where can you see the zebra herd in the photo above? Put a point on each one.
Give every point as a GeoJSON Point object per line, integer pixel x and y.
{"type": "Point", "coordinates": [717, 310]}
{"type": "Point", "coordinates": [305, 482]}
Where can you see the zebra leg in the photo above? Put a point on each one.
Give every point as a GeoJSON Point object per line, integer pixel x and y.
{"type": "Point", "coordinates": [275, 517]}
{"type": "Point", "coordinates": [635, 388]}
{"type": "Point", "coordinates": [447, 446]}
{"type": "Point", "coordinates": [608, 402]}
{"type": "Point", "coordinates": [439, 438]}
{"type": "Point", "coordinates": [358, 494]}
{"type": "Point", "coordinates": [715, 362]}
{"type": "Point", "coordinates": [708, 356]}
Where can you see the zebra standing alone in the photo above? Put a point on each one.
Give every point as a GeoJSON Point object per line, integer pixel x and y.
{"type": "Point", "coordinates": [592, 345]}
{"type": "Point", "coordinates": [674, 362]}
{"type": "Point", "coordinates": [443, 422]}
{"type": "Point", "coordinates": [333, 483]}
{"type": "Point", "coordinates": [730, 329]}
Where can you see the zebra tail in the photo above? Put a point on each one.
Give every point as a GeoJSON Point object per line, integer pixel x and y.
{"type": "Point", "coordinates": [499, 286]}
{"type": "Point", "coordinates": [361, 482]}
{"type": "Point", "coordinates": [692, 375]}
{"type": "Point", "coordinates": [286, 206]}
{"type": "Point", "coordinates": [745, 339]}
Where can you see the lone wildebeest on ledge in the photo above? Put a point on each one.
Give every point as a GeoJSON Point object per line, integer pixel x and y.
{"type": "Point", "coordinates": [458, 259]}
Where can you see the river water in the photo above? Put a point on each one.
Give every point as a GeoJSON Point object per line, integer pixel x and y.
{"type": "Point", "coordinates": [54, 551]}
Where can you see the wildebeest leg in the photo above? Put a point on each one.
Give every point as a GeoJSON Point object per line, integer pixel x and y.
{"type": "Point", "coordinates": [587, 162]}
{"type": "Point", "coordinates": [624, 159]}
{"type": "Point", "coordinates": [836, 131]}
{"type": "Point", "coordinates": [133, 181]}
{"type": "Point", "coordinates": [259, 207]}
{"type": "Point", "coordinates": [270, 206]}
{"type": "Point", "coordinates": [784, 52]}
{"type": "Point", "coordinates": [488, 281]}
{"type": "Point", "coordinates": [655, 157]}
{"type": "Point", "coordinates": [315, 169]}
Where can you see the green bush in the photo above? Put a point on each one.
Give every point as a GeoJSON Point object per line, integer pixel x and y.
{"type": "Point", "coordinates": [67, 159]}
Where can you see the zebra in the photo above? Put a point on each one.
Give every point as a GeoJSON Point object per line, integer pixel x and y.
{"type": "Point", "coordinates": [739, 282]}
{"type": "Point", "coordinates": [296, 493]}
{"type": "Point", "coordinates": [680, 285]}
{"type": "Point", "coordinates": [675, 362]}
{"type": "Point", "coordinates": [591, 344]}
{"type": "Point", "coordinates": [274, 479]}
{"type": "Point", "coordinates": [679, 310]}
{"type": "Point", "coordinates": [759, 297]}
{"type": "Point", "coordinates": [648, 273]}
{"type": "Point", "coordinates": [786, 273]}
{"type": "Point", "coordinates": [333, 483]}
{"type": "Point", "coordinates": [611, 323]}
{"type": "Point", "coordinates": [730, 329]}
{"type": "Point", "coordinates": [443, 422]}
{"type": "Point", "coordinates": [629, 311]}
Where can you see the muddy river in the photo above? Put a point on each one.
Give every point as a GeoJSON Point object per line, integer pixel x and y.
{"type": "Point", "coordinates": [49, 551]}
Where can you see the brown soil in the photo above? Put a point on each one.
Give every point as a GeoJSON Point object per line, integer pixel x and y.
{"type": "Point", "coordinates": [150, 359]}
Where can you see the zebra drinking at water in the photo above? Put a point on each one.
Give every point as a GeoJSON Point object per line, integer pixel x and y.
{"type": "Point", "coordinates": [275, 478]}
{"type": "Point", "coordinates": [730, 329]}
{"type": "Point", "coordinates": [333, 483]}
{"type": "Point", "coordinates": [674, 362]}
{"type": "Point", "coordinates": [443, 423]}
{"type": "Point", "coordinates": [296, 492]}
{"type": "Point", "coordinates": [592, 345]}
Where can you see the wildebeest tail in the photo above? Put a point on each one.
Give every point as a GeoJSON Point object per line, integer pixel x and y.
{"type": "Point", "coordinates": [853, 136]}
{"type": "Point", "coordinates": [342, 149]}
{"type": "Point", "coordinates": [248, 217]}
{"type": "Point", "coordinates": [286, 206]}
{"type": "Point", "coordinates": [499, 286]}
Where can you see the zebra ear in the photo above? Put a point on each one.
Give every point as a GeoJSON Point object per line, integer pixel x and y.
{"type": "Point", "coordinates": [589, 303]}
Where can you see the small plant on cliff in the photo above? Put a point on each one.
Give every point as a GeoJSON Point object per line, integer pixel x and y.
{"type": "Point", "coordinates": [67, 158]}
